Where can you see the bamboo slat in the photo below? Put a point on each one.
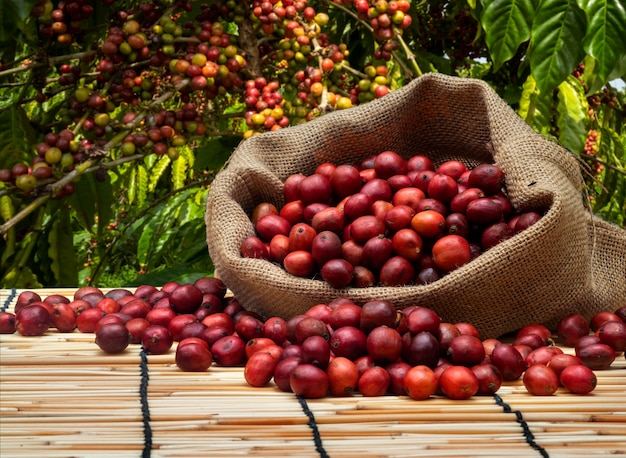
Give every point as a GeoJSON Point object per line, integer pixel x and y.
{"type": "Point", "coordinates": [61, 396]}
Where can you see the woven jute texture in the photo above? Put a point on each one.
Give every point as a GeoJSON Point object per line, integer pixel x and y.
{"type": "Point", "coordinates": [570, 261]}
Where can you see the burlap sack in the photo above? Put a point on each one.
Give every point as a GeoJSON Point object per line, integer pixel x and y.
{"type": "Point", "coordinates": [568, 262]}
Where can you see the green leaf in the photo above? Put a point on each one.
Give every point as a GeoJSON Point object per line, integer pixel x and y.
{"type": "Point", "coordinates": [556, 42]}
{"type": "Point", "coordinates": [104, 203]}
{"type": "Point", "coordinates": [619, 72]}
{"type": "Point", "coordinates": [590, 76]}
{"type": "Point", "coordinates": [190, 240]}
{"type": "Point", "coordinates": [142, 184]}
{"type": "Point", "coordinates": [604, 198]}
{"type": "Point", "coordinates": [606, 33]}
{"type": "Point", "coordinates": [15, 133]}
{"type": "Point", "coordinates": [179, 273]}
{"type": "Point", "coordinates": [214, 154]}
{"type": "Point", "coordinates": [22, 278]}
{"type": "Point", "coordinates": [186, 152]}
{"type": "Point", "coordinates": [507, 24]}
{"type": "Point", "coordinates": [200, 197]}
{"type": "Point", "coordinates": [179, 166]}
{"type": "Point", "coordinates": [160, 252]}
{"type": "Point", "coordinates": [131, 185]}
{"type": "Point", "coordinates": [144, 246]}
{"type": "Point", "coordinates": [573, 115]}
{"type": "Point", "coordinates": [12, 13]}
{"type": "Point", "coordinates": [7, 211]}
{"type": "Point", "coordinates": [61, 249]}
{"type": "Point", "coordinates": [534, 107]}
{"type": "Point", "coordinates": [611, 197]}
{"type": "Point", "coordinates": [157, 171]}
{"type": "Point", "coordinates": [84, 201]}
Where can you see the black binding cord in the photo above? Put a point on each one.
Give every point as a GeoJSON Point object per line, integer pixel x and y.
{"type": "Point", "coordinates": [528, 435]}
{"type": "Point", "coordinates": [145, 410]}
{"type": "Point", "coordinates": [7, 302]}
{"type": "Point", "coordinates": [316, 434]}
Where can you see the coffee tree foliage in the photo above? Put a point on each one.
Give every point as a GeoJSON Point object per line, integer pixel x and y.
{"type": "Point", "coordinates": [116, 115]}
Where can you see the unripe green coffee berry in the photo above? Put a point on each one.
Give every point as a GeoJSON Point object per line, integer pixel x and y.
{"type": "Point", "coordinates": [26, 182]}
{"type": "Point", "coordinates": [53, 155]}
{"type": "Point", "coordinates": [67, 160]}
{"type": "Point", "coordinates": [128, 148]}
{"type": "Point", "coordinates": [173, 153]}
{"type": "Point", "coordinates": [102, 119]}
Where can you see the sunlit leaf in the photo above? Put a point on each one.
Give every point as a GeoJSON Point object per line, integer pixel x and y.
{"type": "Point", "coordinates": [23, 277]}
{"type": "Point", "coordinates": [534, 107]}
{"type": "Point", "coordinates": [131, 185]}
{"type": "Point", "coordinates": [573, 115]}
{"type": "Point", "coordinates": [186, 152]}
{"type": "Point", "coordinates": [157, 171]}
{"type": "Point", "coordinates": [142, 184]}
{"type": "Point", "coordinates": [179, 167]}
{"type": "Point", "coordinates": [7, 211]}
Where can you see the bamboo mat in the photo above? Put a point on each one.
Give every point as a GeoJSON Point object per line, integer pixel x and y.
{"type": "Point", "coordinates": [62, 397]}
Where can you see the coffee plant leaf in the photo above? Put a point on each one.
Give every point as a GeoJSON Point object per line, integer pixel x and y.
{"type": "Point", "coordinates": [179, 166]}
{"type": "Point", "coordinates": [606, 33]}
{"type": "Point", "coordinates": [15, 133]}
{"type": "Point", "coordinates": [180, 273]}
{"type": "Point", "coordinates": [142, 184]}
{"type": "Point", "coordinates": [144, 245]}
{"type": "Point", "coordinates": [131, 185]}
{"type": "Point", "coordinates": [534, 107]}
{"type": "Point", "coordinates": [84, 201]}
{"type": "Point", "coordinates": [556, 42]}
{"type": "Point", "coordinates": [20, 276]}
{"type": "Point", "coordinates": [619, 71]}
{"type": "Point", "coordinates": [61, 248]}
{"type": "Point", "coordinates": [573, 116]}
{"type": "Point", "coordinates": [157, 171]}
{"type": "Point", "coordinates": [611, 198]}
{"type": "Point", "coordinates": [7, 209]}
{"type": "Point", "coordinates": [105, 204]}
{"type": "Point", "coordinates": [507, 24]}
{"type": "Point", "coordinates": [185, 152]}
{"type": "Point", "coordinates": [13, 14]}
{"type": "Point", "coordinates": [8, 244]}
{"type": "Point", "coordinates": [214, 153]}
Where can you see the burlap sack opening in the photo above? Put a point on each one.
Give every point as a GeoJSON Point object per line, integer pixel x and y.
{"type": "Point", "coordinates": [568, 262]}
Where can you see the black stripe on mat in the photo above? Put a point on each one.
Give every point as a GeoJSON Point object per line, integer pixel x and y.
{"type": "Point", "coordinates": [145, 409]}
{"type": "Point", "coordinates": [313, 425]}
{"type": "Point", "coordinates": [528, 435]}
{"type": "Point", "coordinates": [6, 304]}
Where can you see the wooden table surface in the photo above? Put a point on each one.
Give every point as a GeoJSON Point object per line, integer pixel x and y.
{"type": "Point", "coordinates": [60, 396]}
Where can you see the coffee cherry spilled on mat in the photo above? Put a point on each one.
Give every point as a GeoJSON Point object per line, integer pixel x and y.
{"type": "Point", "coordinates": [339, 349]}
{"type": "Point", "coordinates": [386, 221]}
